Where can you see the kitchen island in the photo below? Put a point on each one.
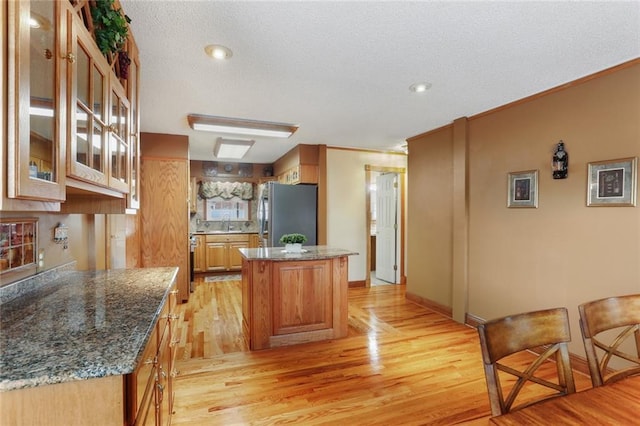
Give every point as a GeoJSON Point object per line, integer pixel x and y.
{"type": "Point", "coordinates": [292, 298]}
{"type": "Point", "coordinates": [87, 348]}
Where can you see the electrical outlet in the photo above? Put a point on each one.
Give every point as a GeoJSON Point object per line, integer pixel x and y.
{"type": "Point", "coordinates": [41, 259]}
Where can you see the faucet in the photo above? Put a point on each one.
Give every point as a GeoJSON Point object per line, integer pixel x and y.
{"type": "Point", "coordinates": [226, 218]}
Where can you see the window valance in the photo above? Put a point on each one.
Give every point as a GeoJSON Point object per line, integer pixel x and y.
{"type": "Point", "coordinates": [226, 190]}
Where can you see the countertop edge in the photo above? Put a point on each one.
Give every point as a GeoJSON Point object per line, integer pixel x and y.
{"type": "Point", "coordinates": [85, 370]}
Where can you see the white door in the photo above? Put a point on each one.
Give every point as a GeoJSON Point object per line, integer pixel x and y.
{"type": "Point", "coordinates": [386, 226]}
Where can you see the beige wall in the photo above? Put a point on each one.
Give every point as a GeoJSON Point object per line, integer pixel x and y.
{"type": "Point", "coordinates": [430, 217]}
{"type": "Point", "coordinates": [346, 203]}
{"type": "Point", "coordinates": [560, 254]}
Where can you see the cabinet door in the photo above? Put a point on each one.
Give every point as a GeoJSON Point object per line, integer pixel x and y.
{"type": "Point", "coordinates": [216, 256]}
{"type": "Point", "coordinates": [235, 258]}
{"type": "Point", "coordinates": [164, 381]}
{"type": "Point", "coordinates": [88, 137]}
{"type": "Point", "coordinates": [36, 100]}
{"type": "Point", "coordinates": [199, 258]}
{"type": "Point", "coordinates": [133, 92]}
{"type": "Point", "coordinates": [118, 128]}
{"type": "Point", "coordinates": [193, 195]}
{"type": "Point", "coordinates": [254, 241]}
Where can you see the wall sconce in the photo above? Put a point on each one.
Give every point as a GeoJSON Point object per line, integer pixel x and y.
{"type": "Point", "coordinates": [560, 162]}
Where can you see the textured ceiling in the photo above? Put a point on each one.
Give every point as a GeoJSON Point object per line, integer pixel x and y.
{"type": "Point", "coordinates": [341, 70]}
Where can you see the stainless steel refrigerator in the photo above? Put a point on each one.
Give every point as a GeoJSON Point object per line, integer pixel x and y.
{"type": "Point", "coordinates": [287, 209]}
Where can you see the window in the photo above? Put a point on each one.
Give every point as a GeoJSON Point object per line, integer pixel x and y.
{"type": "Point", "coordinates": [218, 209]}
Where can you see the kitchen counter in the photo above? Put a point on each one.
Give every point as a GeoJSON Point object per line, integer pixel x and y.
{"type": "Point", "coordinates": [81, 325]}
{"type": "Point", "coordinates": [293, 298]}
{"type": "Point", "coordinates": [278, 254]}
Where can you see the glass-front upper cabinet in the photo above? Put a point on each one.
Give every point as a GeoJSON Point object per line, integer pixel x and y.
{"type": "Point", "coordinates": [133, 91]}
{"type": "Point", "coordinates": [118, 139]}
{"type": "Point", "coordinates": [36, 122]}
{"type": "Point", "coordinates": [88, 139]}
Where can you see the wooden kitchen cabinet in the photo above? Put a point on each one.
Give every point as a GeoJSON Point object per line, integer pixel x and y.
{"type": "Point", "coordinates": [143, 397]}
{"type": "Point", "coordinates": [193, 196]}
{"type": "Point", "coordinates": [150, 387]}
{"type": "Point", "coordinates": [133, 92]}
{"type": "Point", "coordinates": [164, 205]}
{"type": "Point", "coordinates": [299, 165]}
{"type": "Point", "coordinates": [287, 302]}
{"type": "Point", "coordinates": [199, 258]}
{"type": "Point", "coordinates": [36, 101]}
{"type": "Point", "coordinates": [72, 123]}
{"type": "Point", "coordinates": [255, 241]}
{"type": "Point", "coordinates": [99, 116]}
{"type": "Point", "coordinates": [221, 252]}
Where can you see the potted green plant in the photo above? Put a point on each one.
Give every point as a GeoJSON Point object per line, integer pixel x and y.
{"type": "Point", "coordinates": [293, 242]}
{"type": "Point", "coordinates": [110, 27]}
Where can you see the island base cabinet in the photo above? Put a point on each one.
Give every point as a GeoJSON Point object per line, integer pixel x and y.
{"type": "Point", "coordinates": [292, 302]}
{"type": "Point", "coordinates": [90, 402]}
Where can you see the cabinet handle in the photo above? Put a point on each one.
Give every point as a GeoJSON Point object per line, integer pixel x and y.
{"type": "Point", "coordinates": [148, 361]}
{"type": "Point", "coordinates": [112, 128]}
{"type": "Point", "coordinates": [161, 393]}
{"type": "Point", "coordinates": [70, 57]}
{"type": "Point", "coordinates": [175, 373]}
{"type": "Point", "coordinates": [174, 316]}
{"type": "Point", "coordinates": [174, 291]}
{"type": "Point", "coordinates": [174, 342]}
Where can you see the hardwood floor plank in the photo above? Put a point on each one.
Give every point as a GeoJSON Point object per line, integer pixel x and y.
{"type": "Point", "coordinates": [401, 364]}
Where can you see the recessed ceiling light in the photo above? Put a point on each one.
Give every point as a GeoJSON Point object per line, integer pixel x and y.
{"type": "Point", "coordinates": [217, 51]}
{"type": "Point", "coordinates": [420, 87]}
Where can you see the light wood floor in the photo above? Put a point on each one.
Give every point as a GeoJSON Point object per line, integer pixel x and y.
{"type": "Point", "coordinates": [401, 364]}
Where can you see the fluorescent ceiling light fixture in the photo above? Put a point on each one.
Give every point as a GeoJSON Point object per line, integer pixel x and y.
{"type": "Point", "coordinates": [239, 126]}
{"type": "Point", "coordinates": [217, 51]}
{"type": "Point", "coordinates": [232, 148]}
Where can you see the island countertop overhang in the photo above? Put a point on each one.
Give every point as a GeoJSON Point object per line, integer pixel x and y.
{"type": "Point", "coordinates": [278, 254]}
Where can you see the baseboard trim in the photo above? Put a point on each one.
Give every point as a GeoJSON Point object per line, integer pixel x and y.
{"type": "Point", "coordinates": [357, 284]}
{"type": "Point", "coordinates": [430, 304]}
{"type": "Point", "coordinates": [578, 363]}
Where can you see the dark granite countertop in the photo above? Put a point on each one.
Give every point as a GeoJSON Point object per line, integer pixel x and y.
{"type": "Point", "coordinates": [81, 325]}
{"type": "Point", "coordinates": [309, 253]}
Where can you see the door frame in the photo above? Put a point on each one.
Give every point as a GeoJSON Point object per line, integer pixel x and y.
{"type": "Point", "coordinates": [401, 171]}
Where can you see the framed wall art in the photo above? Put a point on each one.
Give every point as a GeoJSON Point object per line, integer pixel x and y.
{"type": "Point", "coordinates": [612, 182]}
{"type": "Point", "coordinates": [523, 189]}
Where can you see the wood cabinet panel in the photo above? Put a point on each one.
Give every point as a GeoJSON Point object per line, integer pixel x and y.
{"type": "Point", "coordinates": [255, 241]}
{"type": "Point", "coordinates": [36, 102]}
{"type": "Point", "coordinates": [199, 258]}
{"type": "Point", "coordinates": [300, 294]}
{"type": "Point", "coordinates": [235, 258]}
{"type": "Point", "coordinates": [222, 252]}
{"type": "Point", "coordinates": [291, 302]}
{"type": "Point", "coordinates": [81, 402]}
{"type": "Point", "coordinates": [216, 256]}
{"type": "Point", "coordinates": [164, 213]}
